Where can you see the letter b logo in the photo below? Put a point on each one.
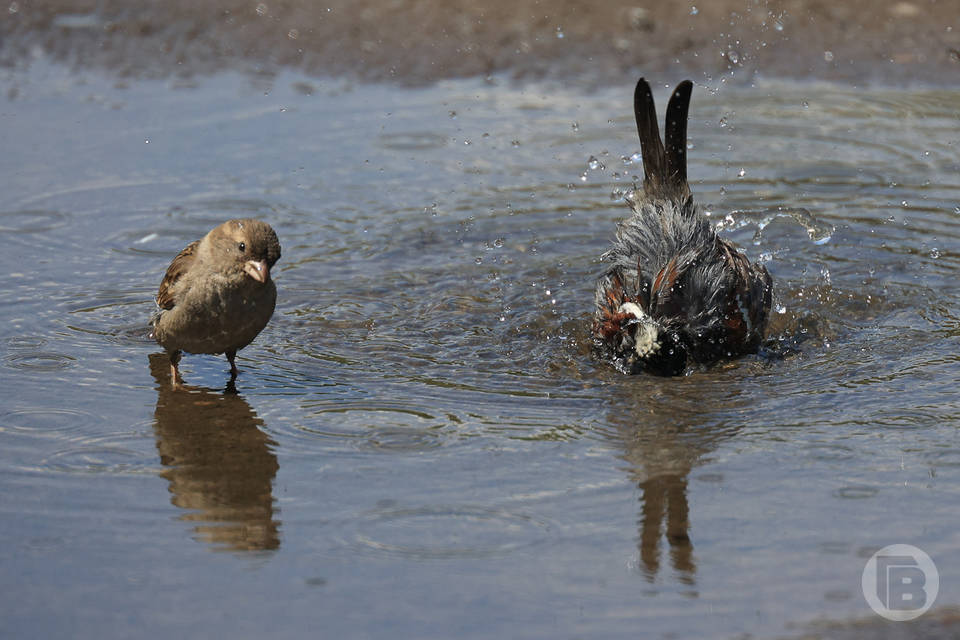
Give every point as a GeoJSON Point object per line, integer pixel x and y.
{"type": "Point", "coordinates": [900, 582]}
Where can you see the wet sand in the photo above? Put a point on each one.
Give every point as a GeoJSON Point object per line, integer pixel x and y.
{"type": "Point", "coordinates": [415, 42]}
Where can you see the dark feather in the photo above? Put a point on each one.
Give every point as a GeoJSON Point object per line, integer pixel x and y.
{"type": "Point", "coordinates": [651, 146]}
{"type": "Point", "coordinates": [675, 135]}
{"type": "Point", "coordinates": [664, 166]}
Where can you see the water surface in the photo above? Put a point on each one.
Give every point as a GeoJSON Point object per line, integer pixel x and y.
{"type": "Point", "coordinates": [421, 444]}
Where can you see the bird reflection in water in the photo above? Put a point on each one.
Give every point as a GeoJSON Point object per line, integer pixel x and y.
{"type": "Point", "coordinates": [665, 498]}
{"type": "Point", "coordinates": [218, 461]}
{"type": "Point", "coordinates": [661, 448]}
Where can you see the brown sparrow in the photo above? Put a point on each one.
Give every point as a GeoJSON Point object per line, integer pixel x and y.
{"type": "Point", "coordinates": [217, 294]}
{"type": "Point", "coordinates": [676, 294]}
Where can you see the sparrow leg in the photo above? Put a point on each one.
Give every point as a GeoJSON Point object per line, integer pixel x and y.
{"type": "Point", "coordinates": [233, 365]}
{"type": "Point", "coordinates": [175, 378]}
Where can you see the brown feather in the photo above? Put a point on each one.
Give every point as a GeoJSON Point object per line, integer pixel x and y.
{"type": "Point", "coordinates": [179, 266]}
{"type": "Point", "coordinates": [610, 318]}
{"type": "Point", "coordinates": [668, 305]}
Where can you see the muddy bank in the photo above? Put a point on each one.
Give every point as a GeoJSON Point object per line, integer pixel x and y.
{"type": "Point", "coordinates": [572, 40]}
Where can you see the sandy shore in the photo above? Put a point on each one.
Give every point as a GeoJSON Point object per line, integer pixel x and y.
{"type": "Point", "coordinates": [416, 41]}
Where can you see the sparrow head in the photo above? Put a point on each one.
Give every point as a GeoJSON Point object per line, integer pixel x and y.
{"type": "Point", "coordinates": [245, 246]}
{"type": "Point", "coordinates": [639, 333]}
{"type": "Point", "coordinates": [643, 344]}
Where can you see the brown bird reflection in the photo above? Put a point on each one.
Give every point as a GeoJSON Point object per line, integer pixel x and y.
{"type": "Point", "coordinates": [664, 435]}
{"type": "Point", "coordinates": [218, 462]}
{"type": "Point", "coordinates": [665, 498]}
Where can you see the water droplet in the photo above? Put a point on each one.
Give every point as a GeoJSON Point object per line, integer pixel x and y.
{"type": "Point", "coordinates": [514, 143]}
{"type": "Point", "coordinates": [147, 141]}
{"type": "Point", "coordinates": [904, 204]}
{"type": "Point", "coordinates": [778, 25]}
{"type": "Point", "coordinates": [560, 33]}
{"type": "Point", "coordinates": [14, 7]}
{"type": "Point", "coordinates": [741, 173]}
{"type": "Point", "coordinates": [583, 177]}
{"type": "Point", "coordinates": [499, 242]}
{"type": "Point", "coordinates": [593, 164]}
{"type": "Point", "coordinates": [733, 57]}
{"type": "Point", "coordinates": [805, 104]}
{"type": "Point", "coordinates": [261, 9]}
{"type": "Point", "coordinates": [453, 115]}
{"type": "Point", "coordinates": [694, 11]}
{"type": "Point", "coordinates": [723, 122]}
{"type": "Point", "coordinates": [293, 34]}
{"type": "Point", "coordinates": [935, 253]}
{"type": "Point", "coordinates": [478, 260]}
{"type": "Point", "coordinates": [467, 142]}
{"type": "Point", "coordinates": [575, 126]}
{"type": "Point", "coordinates": [828, 56]}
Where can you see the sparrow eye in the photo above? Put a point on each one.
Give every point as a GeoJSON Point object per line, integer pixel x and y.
{"type": "Point", "coordinates": [242, 247]}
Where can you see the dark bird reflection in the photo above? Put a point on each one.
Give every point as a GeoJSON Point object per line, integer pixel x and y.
{"type": "Point", "coordinates": [219, 463]}
{"type": "Point", "coordinates": [664, 436]}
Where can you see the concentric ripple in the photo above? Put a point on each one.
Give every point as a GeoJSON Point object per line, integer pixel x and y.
{"type": "Point", "coordinates": [441, 532]}
{"type": "Point", "coordinates": [31, 221]}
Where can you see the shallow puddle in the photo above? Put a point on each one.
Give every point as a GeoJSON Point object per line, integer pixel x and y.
{"type": "Point", "coordinates": [420, 443]}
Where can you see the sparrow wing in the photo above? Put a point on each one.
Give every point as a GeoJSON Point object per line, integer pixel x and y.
{"type": "Point", "coordinates": [750, 303]}
{"type": "Point", "coordinates": [180, 265]}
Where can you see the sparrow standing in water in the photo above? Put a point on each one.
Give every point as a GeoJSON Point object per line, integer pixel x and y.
{"type": "Point", "coordinates": [217, 294]}
{"type": "Point", "coordinates": [676, 294]}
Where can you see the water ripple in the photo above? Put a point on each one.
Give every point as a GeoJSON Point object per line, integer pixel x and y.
{"type": "Point", "coordinates": [32, 221]}
{"type": "Point", "coordinates": [53, 422]}
{"type": "Point", "coordinates": [383, 428]}
{"type": "Point", "coordinates": [447, 532]}
{"type": "Point", "coordinates": [126, 453]}
{"type": "Point", "coordinates": [40, 361]}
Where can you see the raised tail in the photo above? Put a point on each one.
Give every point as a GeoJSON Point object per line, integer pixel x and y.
{"type": "Point", "coordinates": [664, 165]}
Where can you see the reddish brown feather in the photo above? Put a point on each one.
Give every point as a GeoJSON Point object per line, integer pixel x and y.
{"type": "Point", "coordinates": [734, 322]}
{"type": "Point", "coordinates": [664, 286]}
{"type": "Point", "coordinates": [608, 324]}
{"type": "Point", "coordinates": [179, 266]}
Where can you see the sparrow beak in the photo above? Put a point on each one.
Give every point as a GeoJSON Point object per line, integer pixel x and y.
{"type": "Point", "coordinates": [257, 269]}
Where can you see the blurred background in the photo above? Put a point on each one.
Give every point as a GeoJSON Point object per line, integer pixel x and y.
{"type": "Point", "coordinates": [419, 41]}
